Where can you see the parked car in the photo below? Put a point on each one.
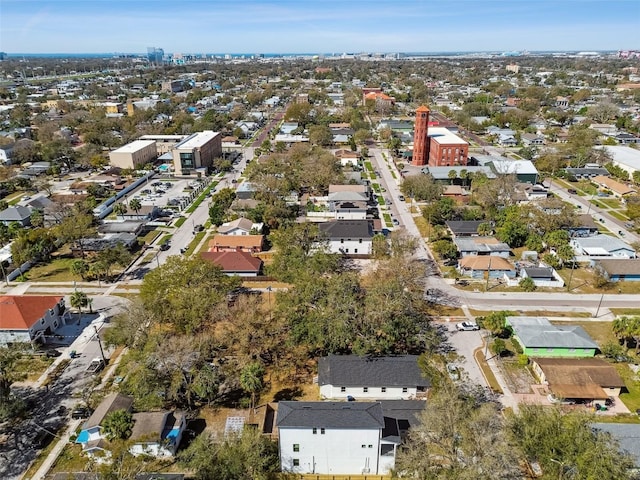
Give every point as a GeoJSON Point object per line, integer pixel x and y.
{"type": "Point", "coordinates": [467, 326]}
{"type": "Point", "coordinates": [453, 372]}
{"type": "Point", "coordinates": [401, 198]}
{"type": "Point", "coordinates": [165, 246]}
{"type": "Point", "coordinates": [396, 222]}
{"type": "Point", "coordinates": [80, 412]}
{"type": "Point", "coordinates": [53, 353]}
{"type": "Point", "coordinates": [572, 191]}
{"type": "Point", "coordinates": [621, 233]}
{"type": "Point", "coordinates": [95, 366]}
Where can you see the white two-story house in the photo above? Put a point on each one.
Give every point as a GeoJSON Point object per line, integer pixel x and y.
{"type": "Point", "coordinates": [348, 237]}
{"type": "Point", "coordinates": [371, 378]}
{"type": "Point", "coordinates": [339, 438]}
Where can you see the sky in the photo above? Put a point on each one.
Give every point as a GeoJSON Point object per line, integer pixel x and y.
{"type": "Point", "coordinates": [317, 26]}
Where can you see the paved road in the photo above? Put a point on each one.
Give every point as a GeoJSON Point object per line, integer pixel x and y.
{"type": "Point", "coordinates": [184, 235]}
{"type": "Point", "coordinates": [602, 216]}
{"type": "Point", "coordinates": [66, 391]}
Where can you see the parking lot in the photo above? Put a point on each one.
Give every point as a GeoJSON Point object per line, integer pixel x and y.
{"type": "Point", "coordinates": [172, 193]}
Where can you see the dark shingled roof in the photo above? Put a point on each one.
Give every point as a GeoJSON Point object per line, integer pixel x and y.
{"type": "Point", "coordinates": [351, 370]}
{"type": "Point", "coordinates": [330, 414]}
{"type": "Point", "coordinates": [464, 227]}
{"type": "Point", "coordinates": [346, 229]}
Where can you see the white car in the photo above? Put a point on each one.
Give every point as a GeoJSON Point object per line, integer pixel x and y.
{"type": "Point", "coordinates": [467, 326]}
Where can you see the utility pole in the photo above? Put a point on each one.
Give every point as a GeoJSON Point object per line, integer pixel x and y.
{"type": "Point", "coordinates": [486, 287]}
{"type": "Point", "coordinates": [599, 304]}
{"type": "Point", "coordinates": [104, 360]}
{"type": "Point", "coordinates": [573, 267]}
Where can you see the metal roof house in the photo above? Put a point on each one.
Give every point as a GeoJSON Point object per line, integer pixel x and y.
{"type": "Point", "coordinates": [601, 246]}
{"type": "Point", "coordinates": [539, 338]}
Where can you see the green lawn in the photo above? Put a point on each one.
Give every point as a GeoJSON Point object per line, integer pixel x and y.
{"type": "Point", "coordinates": [486, 370]}
{"type": "Point", "coordinates": [368, 166]}
{"type": "Point", "coordinates": [611, 202]}
{"type": "Point", "coordinates": [381, 201]}
{"type": "Point", "coordinates": [376, 187]}
{"type": "Point", "coordinates": [631, 398]}
{"type": "Point", "coordinates": [387, 219]}
{"type": "Point", "coordinates": [180, 221]}
{"type": "Point", "coordinates": [58, 270]}
{"type": "Point", "coordinates": [32, 366]}
{"type": "Point", "coordinates": [201, 197]}
{"type": "Point", "coordinates": [598, 204]}
{"type": "Point", "coordinates": [165, 239]}
{"type": "Point", "coordinates": [195, 242]}
{"type": "Point", "coordinates": [150, 237]}
{"type": "Point", "coordinates": [619, 216]}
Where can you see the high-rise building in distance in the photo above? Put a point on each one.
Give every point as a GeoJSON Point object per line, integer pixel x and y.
{"type": "Point", "coordinates": [155, 55]}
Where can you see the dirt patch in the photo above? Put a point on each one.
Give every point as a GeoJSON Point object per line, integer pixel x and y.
{"type": "Point", "coordinates": [518, 378]}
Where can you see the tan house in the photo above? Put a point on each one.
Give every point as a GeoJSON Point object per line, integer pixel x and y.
{"type": "Point", "coordinates": [619, 189]}
{"type": "Point", "coordinates": [237, 243]}
{"type": "Point", "coordinates": [578, 378]}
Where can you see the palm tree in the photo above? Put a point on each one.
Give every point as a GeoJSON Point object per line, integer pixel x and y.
{"type": "Point", "coordinates": [452, 175]}
{"type": "Point", "coordinates": [135, 205]}
{"type": "Point", "coordinates": [79, 299]}
{"type": "Point", "coordinates": [621, 328]}
{"type": "Point", "coordinates": [97, 269]}
{"type": "Point", "coordinates": [120, 209]}
{"type": "Point", "coordinates": [251, 380]}
{"type": "Point", "coordinates": [79, 268]}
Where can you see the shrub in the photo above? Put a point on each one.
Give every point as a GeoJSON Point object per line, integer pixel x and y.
{"type": "Point", "coordinates": [517, 347]}
{"type": "Point", "coordinates": [498, 346]}
{"type": "Point", "coordinates": [523, 360]}
{"type": "Point", "coordinates": [527, 284]}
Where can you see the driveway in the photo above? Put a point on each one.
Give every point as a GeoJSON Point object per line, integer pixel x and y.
{"type": "Point", "coordinates": [465, 343]}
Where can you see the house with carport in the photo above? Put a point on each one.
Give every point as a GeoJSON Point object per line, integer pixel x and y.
{"type": "Point", "coordinates": [590, 379]}
{"type": "Point", "coordinates": [601, 246]}
{"type": "Point", "coordinates": [540, 338]}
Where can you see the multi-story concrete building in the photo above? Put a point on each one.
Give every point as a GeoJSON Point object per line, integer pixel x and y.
{"type": "Point", "coordinates": [134, 154]}
{"type": "Point", "coordinates": [197, 151]}
{"type": "Point", "coordinates": [164, 143]}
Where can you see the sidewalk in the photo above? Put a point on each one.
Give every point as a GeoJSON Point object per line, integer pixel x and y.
{"type": "Point", "coordinates": [55, 451]}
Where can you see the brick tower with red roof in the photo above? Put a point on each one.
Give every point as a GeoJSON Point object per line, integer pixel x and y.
{"type": "Point", "coordinates": [421, 137]}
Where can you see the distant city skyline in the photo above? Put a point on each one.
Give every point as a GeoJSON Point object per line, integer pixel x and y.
{"type": "Point", "coordinates": [317, 26]}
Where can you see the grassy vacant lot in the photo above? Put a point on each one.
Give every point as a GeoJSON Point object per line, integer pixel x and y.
{"type": "Point", "coordinates": [70, 460]}
{"type": "Point", "coordinates": [423, 225]}
{"type": "Point", "coordinates": [631, 398]}
{"type": "Point", "coordinates": [58, 270]}
{"type": "Point", "coordinates": [32, 366]}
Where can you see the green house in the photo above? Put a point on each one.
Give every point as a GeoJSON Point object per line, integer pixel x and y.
{"type": "Point", "coordinates": [539, 338]}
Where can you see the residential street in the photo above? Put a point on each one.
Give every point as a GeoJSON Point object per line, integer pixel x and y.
{"type": "Point", "coordinates": [51, 406]}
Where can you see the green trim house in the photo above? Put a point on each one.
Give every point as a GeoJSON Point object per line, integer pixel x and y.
{"type": "Point", "coordinates": [539, 338]}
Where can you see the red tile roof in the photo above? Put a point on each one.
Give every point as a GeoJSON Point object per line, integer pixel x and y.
{"type": "Point", "coordinates": [20, 312]}
{"type": "Point", "coordinates": [234, 261]}
{"type": "Point", "coordinates": [422, 108]}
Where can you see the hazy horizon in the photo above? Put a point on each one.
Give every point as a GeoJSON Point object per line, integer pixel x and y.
{"type": "Point", "coordinates": [254, 26]}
